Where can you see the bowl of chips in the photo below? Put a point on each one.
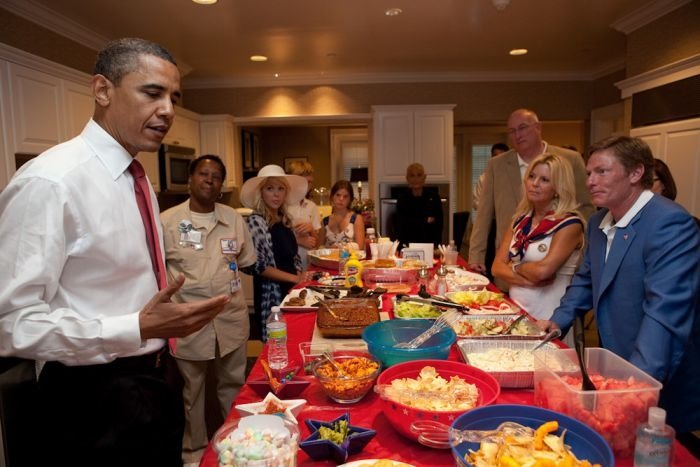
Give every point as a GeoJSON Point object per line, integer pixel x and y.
{"type": "Point", "coordinates": [438, 390]}
{"type": "Point", "coordinates": [358, 372]}
{"type": "Point", "coordinates": [553, 436]}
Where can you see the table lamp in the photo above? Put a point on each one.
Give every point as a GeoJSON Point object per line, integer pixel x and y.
{"type": "Point", "coordinates": [359, 175]}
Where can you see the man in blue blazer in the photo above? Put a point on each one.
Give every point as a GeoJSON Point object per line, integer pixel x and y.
{"type": "Point", "coordinates": [641, 274]}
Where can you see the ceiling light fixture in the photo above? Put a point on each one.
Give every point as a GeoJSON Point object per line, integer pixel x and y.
{"type": "Point", "coordinates": [518, 52]}
{"type": "Point", "coordinates": [277, 75]}
{"type": "Point", "coordinates": [500, 4]}
{"type": "Point", "coordinates": [258, 58]}
{"type": "Point", "coordinates": [394, 11]}
{"type": "Point", "coordinates": [205, 2]}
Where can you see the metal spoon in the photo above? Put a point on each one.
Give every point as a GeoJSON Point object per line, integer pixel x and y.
{"type": "Point", "coordinates": [341, 374]}
{"type": "Point", "coordinates": [512, 324]}
{"type": "Point", "coordinates": [551, 335]}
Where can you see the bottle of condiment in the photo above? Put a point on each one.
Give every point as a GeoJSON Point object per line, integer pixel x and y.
{"type": "Point", "coordinates": [277, 355]}
{"type": "Point", "coordinates": [353, 271]}
{"type": "Point", "coordinates": [654, 445]}
{"type": "Point", "coordinates": [441, 282]}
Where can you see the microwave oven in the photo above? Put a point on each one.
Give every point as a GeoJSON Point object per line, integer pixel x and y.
{"type": "Point", "coordinates": [174, 163]}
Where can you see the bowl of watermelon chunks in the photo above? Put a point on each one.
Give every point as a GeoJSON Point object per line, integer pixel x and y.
{"type": "Point", "coordinates": [618, 406]}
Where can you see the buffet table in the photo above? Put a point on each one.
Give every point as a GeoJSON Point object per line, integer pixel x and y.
{"type": "Point", "coordinates": [367, 413]}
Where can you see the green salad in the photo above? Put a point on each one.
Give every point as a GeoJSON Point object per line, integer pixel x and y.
{"type": "Point", "coordinates": [415, 310]}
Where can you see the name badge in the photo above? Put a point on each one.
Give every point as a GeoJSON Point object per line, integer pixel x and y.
{"type": "Point", "coordinates": [229, 246]}
{"type": "Point", "coordinates": [235, 284]}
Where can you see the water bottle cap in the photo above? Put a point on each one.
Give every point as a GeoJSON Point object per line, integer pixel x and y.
{"type": "Point", "coordinates": [275, 309]}
{"type": "Point", "coordinates": [657, 417]}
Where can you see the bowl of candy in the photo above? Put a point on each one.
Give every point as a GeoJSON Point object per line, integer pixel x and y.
{"type": "Point", "coordinates": [349, 377]}
{"type": "Point", "coordinates": [336, 439]}
{"type": "Point", "coordinates": [269, 439]}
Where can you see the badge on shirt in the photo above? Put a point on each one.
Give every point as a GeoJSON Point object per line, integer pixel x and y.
{"type": "Point", "coordinates": [235, 284]}
{"type": "Point", "coordinates": [542, 248]}
{"type": "Point", "coordinates": [229, 246]}
{"type": "Point", "coordinates": [189, 236]}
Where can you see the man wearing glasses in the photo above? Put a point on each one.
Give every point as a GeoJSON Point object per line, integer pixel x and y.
{"type": "Point", "coordinates": [502, 185]}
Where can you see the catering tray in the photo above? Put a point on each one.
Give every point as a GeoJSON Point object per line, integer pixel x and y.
{"type": "Point", "coordinates": [459, 279]}
{"type": "Point", "coordinates": [312, 297]}
{"type": "Point", "coordinates": [526, 329]}
{"type": "Point", "coordinates": [328, 258]}
{"type": "Point", "coordinates": [361, 313]}
{"type": "Point", "coordinates": [484, 302]}
{"type": "Point", "coordinates": [507, 378]}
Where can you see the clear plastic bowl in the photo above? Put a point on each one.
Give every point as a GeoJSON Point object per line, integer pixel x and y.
{"type": "Point", "coordinates": [615, 411]}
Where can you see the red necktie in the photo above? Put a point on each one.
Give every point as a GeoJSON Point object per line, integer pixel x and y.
{"type": "Point", "coordinates": [143, 200]}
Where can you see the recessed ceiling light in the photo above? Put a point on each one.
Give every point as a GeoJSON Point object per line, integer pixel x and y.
{"type": "Point", "coordinates": [393, 12]}
{"type": "Point", "coordinates": [258, 58]}
{"type": "Point", "coordinates": [518, 52]}
{"type": "Point", "coordinates": [277, 75]}
{"type": "Point", "coordinates": [205, 2]}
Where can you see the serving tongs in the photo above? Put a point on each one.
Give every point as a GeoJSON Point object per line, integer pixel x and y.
{"type": "Point", "coordinates": [430, 301]}
{"type": "Point", "coordinates": [589, 400]}
{"type": "Point", "coordinates": [328, 294]}
{"type": "Point", "coordinates": [437, 435]}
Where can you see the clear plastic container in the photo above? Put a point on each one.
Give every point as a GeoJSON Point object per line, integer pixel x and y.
{"type": "Point", "coordinates": [615, 411]}
{"type": "Point", "coordinates": [260, 440]}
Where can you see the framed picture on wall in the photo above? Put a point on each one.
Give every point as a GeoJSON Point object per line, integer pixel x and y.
{"type": "Point", "coordinates": [289, 160]}
{"type": "Point", "coordinates": [247, 151]}
{"type": "Point", "coordinates": [256, 152]}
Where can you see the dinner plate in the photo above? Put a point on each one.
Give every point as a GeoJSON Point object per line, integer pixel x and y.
{"type": "Point", "coordinates": [360, 462]}
{"type": "Point", "coordinates": [311, 298]}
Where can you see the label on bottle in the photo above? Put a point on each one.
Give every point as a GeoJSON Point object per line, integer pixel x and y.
{"type": "Point", "coordinates": [276, 332]}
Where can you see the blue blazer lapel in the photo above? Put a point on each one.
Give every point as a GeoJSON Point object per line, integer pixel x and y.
{"type": "Point", "coordinates": [621, 243]}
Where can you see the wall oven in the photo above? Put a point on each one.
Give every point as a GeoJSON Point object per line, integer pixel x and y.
{"type": "Point", "coordinates": [174, 164]}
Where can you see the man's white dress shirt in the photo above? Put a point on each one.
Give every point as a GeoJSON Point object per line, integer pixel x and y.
{"type": "Point", "coordinates": [74, 262]}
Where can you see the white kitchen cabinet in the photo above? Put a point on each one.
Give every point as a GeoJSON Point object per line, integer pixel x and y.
{"type": "Point", "coordinates": [218, 136]}
{"type": "Point", "coordinates": [149, 161]}
{"type": "Point", "coordinates": [37, 112]}
{"type": "Point", "coordinates": [403, 135]}
{"type": "Point", "coordinates": [184, 130]}
{"type": "Point", "coordinates": [79, 105]}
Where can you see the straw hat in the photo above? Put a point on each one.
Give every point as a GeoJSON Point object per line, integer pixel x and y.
{"type": "Point", "coordinates": [249, 191]}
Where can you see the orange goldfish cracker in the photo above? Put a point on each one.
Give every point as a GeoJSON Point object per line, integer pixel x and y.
{"type": "Point", "coordinates": [542, 431]}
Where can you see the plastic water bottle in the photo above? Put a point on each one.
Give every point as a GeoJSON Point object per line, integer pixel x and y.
{"type": "Point", "coordinates": [277, 355]}
{"type": "Point", "coordinates": [654, 446]}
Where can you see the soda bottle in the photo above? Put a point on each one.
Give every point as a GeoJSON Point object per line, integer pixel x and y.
{"type": "Point", "coordinates": [277, 355]}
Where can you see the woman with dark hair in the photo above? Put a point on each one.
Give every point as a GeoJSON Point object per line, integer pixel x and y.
{"type": "Point", "coordinates": [343, 225]}
{"type": "Point", "coordinates": [664, 184]}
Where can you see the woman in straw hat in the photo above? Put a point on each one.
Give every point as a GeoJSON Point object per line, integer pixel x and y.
{"type": "Point", "coordinates": [278, 267]}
